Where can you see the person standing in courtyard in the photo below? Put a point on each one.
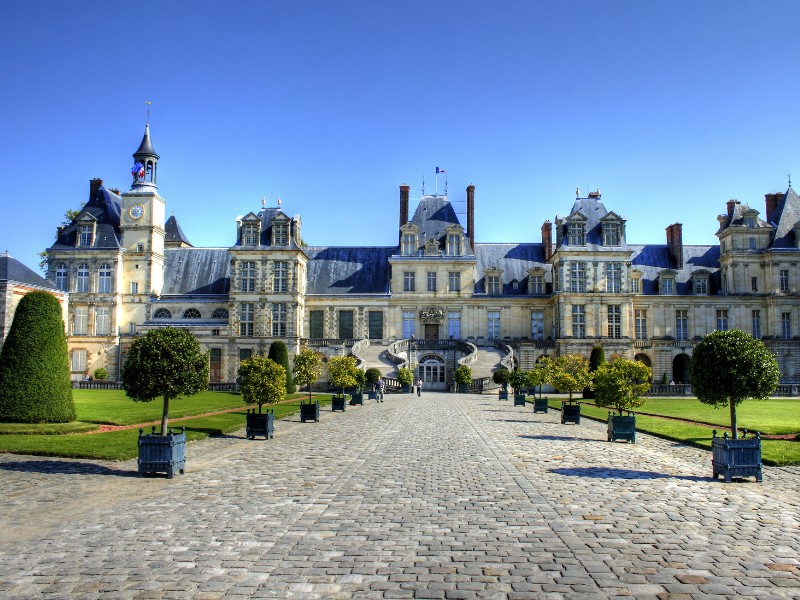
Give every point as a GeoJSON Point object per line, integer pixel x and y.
{"type": "Point", "coordinates": [419, 386]}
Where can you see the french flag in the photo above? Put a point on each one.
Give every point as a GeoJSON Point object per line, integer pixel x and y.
{"type": "Point", "coordinates": [438, 170]}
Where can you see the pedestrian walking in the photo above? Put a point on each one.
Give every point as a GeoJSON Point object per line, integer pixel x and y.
{"type": "Point", "coordinates": [419, 386]}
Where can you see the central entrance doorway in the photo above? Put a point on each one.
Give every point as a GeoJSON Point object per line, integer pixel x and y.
{"type": "Point", "coordinates": [431, 331]}
{"type": "Point", "coordinates": [431, 370]}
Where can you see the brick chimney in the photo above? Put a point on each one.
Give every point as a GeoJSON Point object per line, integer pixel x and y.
{"type": "Point", "coordinates": [675, 243]}
{"type": "Point", "coordinates": [94, 185]}
{"type": "Point", "coordinates": [772, 201]}
{"type": "Point", "coordinates": [731, 204]}
{"type": "Point", "coordinates": [547, 239]}
{"type": "Point", "coordinates": [471, 215]}
{"type": "Point", "coordinates": [404, 191]}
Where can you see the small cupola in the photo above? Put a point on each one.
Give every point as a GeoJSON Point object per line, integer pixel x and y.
{"type": "Point", "coordinates": [145, 162]}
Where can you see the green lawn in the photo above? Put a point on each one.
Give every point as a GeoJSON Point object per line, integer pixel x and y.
{"type": "Point", "coordinates": [121, 445]}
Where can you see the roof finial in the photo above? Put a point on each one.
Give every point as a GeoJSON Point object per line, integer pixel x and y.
{"type": "Point", "coordinates": [279, 201]}
{"type": "Point", "coordinates": [148, 110]}
{"type": "Point", "coordinates": [263, 201]}
{"type": "Point", "coordinates": [789, 174]}
{"type": "Point", "coordinates": [577, 192]}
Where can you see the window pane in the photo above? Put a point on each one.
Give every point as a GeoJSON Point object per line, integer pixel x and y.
{"type": "Point", "coordinates": [375, 325]}
{"type": "Point", "coordinates": [345, 324]}
{"type": "Point", "coordinates": [315, 324]}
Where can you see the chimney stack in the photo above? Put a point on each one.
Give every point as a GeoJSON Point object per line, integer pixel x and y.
{"type": "Point", "coordinates": [404, 191]}
{"type": "Point", "coordinates": [731, 204]}
{"type": "Point", "coordinates": [675, 243]}
{"type": "Point", "coordinates": [547, 239]}
{"type": "Point", "coordinates": [94, 185]}
{"type": "Point", "coordinates": [772, 201]}
{"type": "Point", "coordinates": [471, 215]}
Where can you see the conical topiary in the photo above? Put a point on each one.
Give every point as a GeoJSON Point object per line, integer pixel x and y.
{"type": "Point", "coordinates": [280, 354]}
{"type": "Point", "coordinates": [34, 364]}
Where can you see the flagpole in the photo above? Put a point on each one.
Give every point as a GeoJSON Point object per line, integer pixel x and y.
{"type": "Point", "coordinates": [437, 183]}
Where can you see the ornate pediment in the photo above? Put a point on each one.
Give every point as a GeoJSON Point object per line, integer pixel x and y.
{"type": "Point", "coordinates": [431, 314]}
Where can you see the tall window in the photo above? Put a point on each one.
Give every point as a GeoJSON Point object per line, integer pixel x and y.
{"type": "Point", "coordinates": [722, 319]}
{"type": "Point", "coordinates": [279, 319]}
{"type": "Point", "coordinates": [701, 286]}
{"type": "Point", "coordinates": [454, 325]}
{"type": "Point", "coordinates": [682, 324]}
{"type": "Point", "coordinates": [280, 277]}
{"type": "Point", "coordinates": [345, 324]}
{"type": "Point", "coordinates": [614, 278]}
{"type": "Point", "coordinates": [250, 234]}
{"type": "Point", "coordinates": [248, 273]}
{"type": "Point", "coordinates": [315, 324]}
{"type": "Point", "coordinates": [454, 244]}
{"type": "Point", "coordinates": [409, 281]}
{"type": "Point", "coordinates": [752, 243]}
{"type": "Point", "coordinates": [280, 234]}
{"type": "Point", "coordinates": [612, 234]}
{"type": "Point", "coordinates": [247, 319]}
{"type": "Point", "coordinates": [492, 324]}
{"type": "Point", "coordinates": [85, 235]}
{"type": "Point", "coordinates": [754, 284]}
{"type": "Point", "coordinates": [78, 361]}
{"type": "Point", "coordinates": [786, 325]}
{"type": "Point", "coordinates": [134, 287]}
{"type": "Point", "coordinates": [104, 278]}
{"type": "Point", "coordinates": [640, 315]}
{"type": "Point", "coordinates": [537, 325]}
{"type": "Point", "coordinates": [578, 277]}
{"type": "Point", "coordinates": [102, 321]}
{"type": "Point", "coordinates": [409, 322]}
{"type": "Point", "coordinates": [431, 281]}
{"type": "Point", "coordinates": [80, 320]}
{"type": "Point", "coordinates": [757, 324]}
{"type": "Point", "coordinates": [636, 285]}
{"type": "Point", "coordinates": [454, 281]}
{"type": "Point", "coordinates": [577, 234]}
{"type": "Point", "coordinates": [61, 277]}
{"type": "Point", "coordinates": [492, 284]}
{"type": "Point", "coordinates": [83, 278]}
{"type": "Point", "coordinates": [537, 284]}
{"type": "Point", "coordinates": [409, 244]}
{"type": "Point", "coordinates": [614, 321]}
{"type": "Point", "coordinates": [784, 276]}
{"type": "Point", "coordinates": [375, 325]}
{"type": "Point", "coordinates": [578, 321]}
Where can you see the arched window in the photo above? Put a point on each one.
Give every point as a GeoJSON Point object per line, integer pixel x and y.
{"type": "Point", "coordinates": [191, 313]}
{"type": "Point", "coordinates": [162, 313]}
{"type": "Point", "coordinates": [104, 278]}
{"type": "Point", "coordinates": [61, 277]}
{"type": "Point", "coordinates": [83, 278]}
{"type": "Point", "coordinates": [220, 313]}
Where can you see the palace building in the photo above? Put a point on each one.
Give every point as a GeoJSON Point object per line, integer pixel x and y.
{"type": "Point", "coordinates": [434, 294]}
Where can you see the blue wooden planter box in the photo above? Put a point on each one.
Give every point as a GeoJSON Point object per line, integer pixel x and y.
{"type": "Point", "coordinates": [463, 388]}
{"type": "Point", "coordinates": [309, 411]}
{"type": "Point", "coordinates": [162, 453]}
{"type": "Point", "coordinates": [372, 395]}
{"type": "Point", "coordinates": [736, 458]}
{"type": "Point", "coordinates": [338, 403]}
{"type": "Point", "coordinates": [541, 405]}
{"type": "Point", "coordinates": [405, 388]}
{"type": "Point", "coordinates": [570, 413]}
{"type": "Point", "coordinates": [519, 400]}
{"type": "Point", "coordinates": [503, 395]}
{"type": "Point", "coordinates": [357, 399]}
{"type": "Point", "coordinates": [622, 427]}
{"type": "Point", "coordinates": [260, 424]}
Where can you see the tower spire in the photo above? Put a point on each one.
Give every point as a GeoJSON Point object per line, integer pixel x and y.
{"type": "Point", "coordinates": [145, 161]}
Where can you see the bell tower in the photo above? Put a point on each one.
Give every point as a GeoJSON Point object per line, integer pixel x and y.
{"type": "Point", "coordinates": [142, 227]}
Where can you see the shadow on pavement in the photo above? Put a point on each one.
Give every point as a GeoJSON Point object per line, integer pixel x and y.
{"type": "Point", "coordinates": [606, 473]}
{"type": "Point", "coordinates": [558, 438]}
{"type": "Point", "coordinates": [65, 467]}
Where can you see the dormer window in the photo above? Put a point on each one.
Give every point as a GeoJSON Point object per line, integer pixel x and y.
{"type": "Point", "coordinates": [536, 281]}
{"type": "Point", "coordinates": [454, 244]}
{"type": "Point", "coordinates": [636, 282]}
{"type": "Point", "coordinates": [492, 284]}
{"type": "Point", "coordinates": [280, 234]}
{"type": "Point", "coordinates": [85, 234]}
{"type": "Point", "coordinates": [576, 234]}
{"type": "Point", "coordinates": [666, 283]}
{"type": "Point", "coordinates": [250, 234]}
{"type": "Point", "coordinates": [701, 286]}
{"type": "Point", "coordinates": [612, 233]}
{"type": "Point", "coordinates": [408, 240]}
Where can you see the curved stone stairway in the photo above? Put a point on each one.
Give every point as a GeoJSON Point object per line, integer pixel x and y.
{"type": "Point", "coordinates": [376, 355]}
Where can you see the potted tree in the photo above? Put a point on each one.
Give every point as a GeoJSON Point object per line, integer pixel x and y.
{"type": "Point", "coordinates": [263, 382]}
{"type": "Point", "coordinates": [357, 396]}
{"type": "Point", "coordinates": [168, 363]}
{"type": "Point", "coordinates": [373, 375]}
{"type": "Point", "coordinates": [620, 385]}
{"type": "Point", "coordinates": [597, 357]}
{"type": "Point", "coordinates": [307, 368]}
{"type": "Point", "coordinates": [518, 380]}
{"type": "Point", "coordinates": [536, 378]}
{"type": "Point", "coordinates": [726, 368]}
{"type": "Point", "coordinates": [405, 377]}
{"type": "Point", "coordinates": [463, 377]}
{"type": "Point", "coordinates": [500, 377]}
{"type": "Point", "coordinates": [570, 373]}
{"type": "Point", "coordinates": [101, 374]}
{"type": "Point", "coordinates": [341, 374]}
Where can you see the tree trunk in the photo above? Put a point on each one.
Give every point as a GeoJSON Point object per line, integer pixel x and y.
{"type": "Point", "coordinates": [734, 428]}
{"type": "Point", "coordinates": [165, 416]}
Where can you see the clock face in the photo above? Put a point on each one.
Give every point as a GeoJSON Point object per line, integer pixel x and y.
{"type": "Point", "coordinates": [136, 211]}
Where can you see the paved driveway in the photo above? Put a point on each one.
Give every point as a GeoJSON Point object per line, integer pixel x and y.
{"type": "Point", "coordinates": [441, 496]}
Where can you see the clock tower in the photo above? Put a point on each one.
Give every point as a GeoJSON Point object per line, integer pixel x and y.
{"type": "Point", "coordinates": [142, 226]}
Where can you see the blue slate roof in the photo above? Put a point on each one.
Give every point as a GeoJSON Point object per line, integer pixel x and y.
{"type": "Point", "coordinates": [346, 270]}
{"type": "Point", "coordinates": [433, 215]}
{"type": "Point", "coordinates": [651, 259]}
{"type": "Point", "coordinates": [173, 232]}
{"type": "Point", "coordinates": [786, 217]}
{"type": "Point", "coordinates": [514, 259]}
{"type": "Point", "coordinates": [104, 207]}
{"type": "Point", "coordinates": [594, 210]}
{"type": "Point", "coordinates": [196, 271]}
{"type": "Point", "coordinates": [11, 270]}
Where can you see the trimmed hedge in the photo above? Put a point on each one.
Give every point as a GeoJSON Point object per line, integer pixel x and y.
{"type": "Point", "coordinates": [280, 354]}
{"type": "Point", "coordinates": [34, 364]}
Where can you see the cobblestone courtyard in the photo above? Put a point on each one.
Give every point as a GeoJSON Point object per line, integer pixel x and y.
{"type": "Point", "coordinates": [441, 496]}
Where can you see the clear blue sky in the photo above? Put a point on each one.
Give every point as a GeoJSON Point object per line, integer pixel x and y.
{"type": "Point", "coordinates": [670, 108]}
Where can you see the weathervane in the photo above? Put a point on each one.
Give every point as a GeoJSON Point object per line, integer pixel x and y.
{"type": "Point", "coordinates": [148, 110]}
{"type": "Point", "coordinates": [423, 185]}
